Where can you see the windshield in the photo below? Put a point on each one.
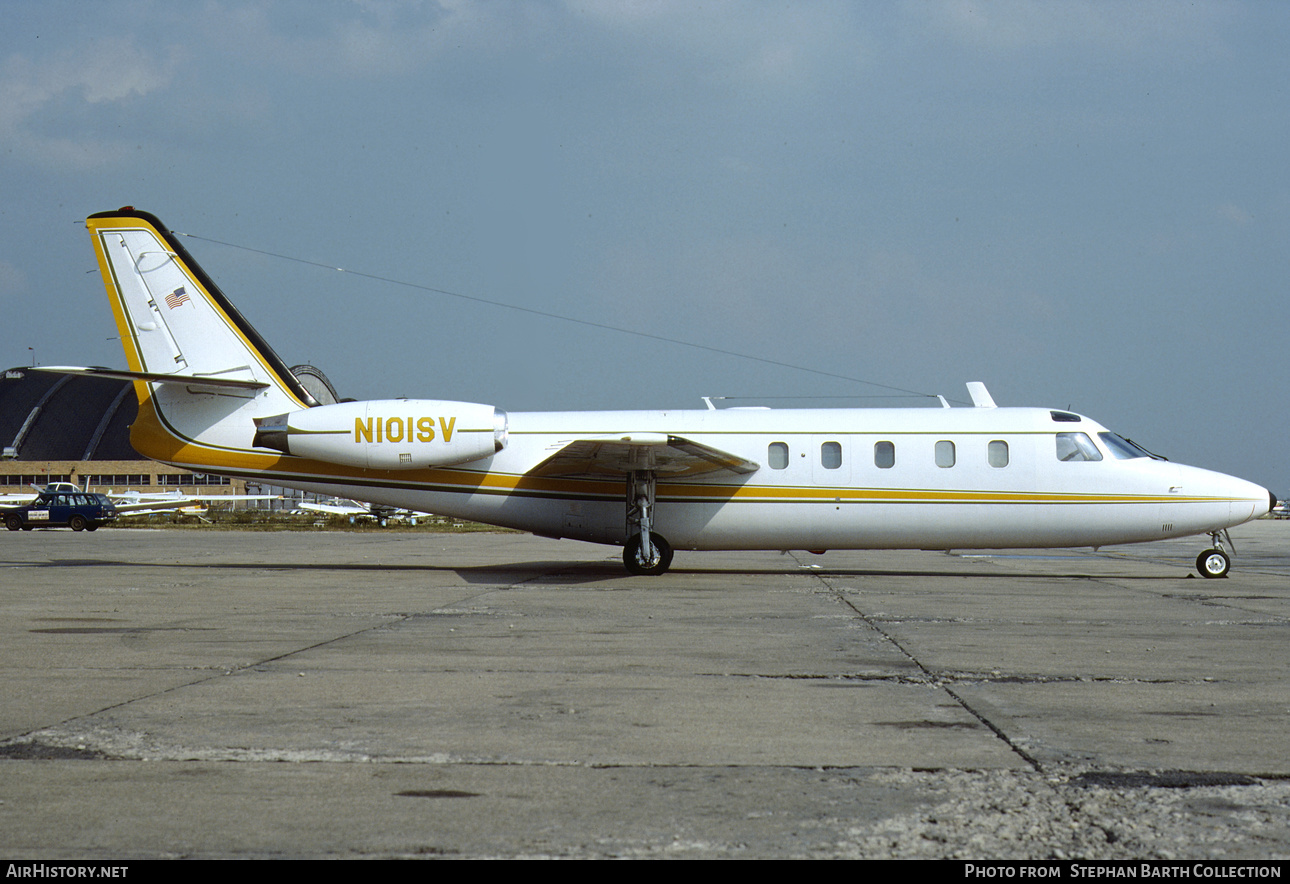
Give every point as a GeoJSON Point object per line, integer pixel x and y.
{"type": "Point", "coordinates": [1125, 449]}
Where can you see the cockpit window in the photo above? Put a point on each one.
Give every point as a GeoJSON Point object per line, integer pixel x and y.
{"type": "Point", "coordinates": [1125, 449]}
{"type": "Point", "coordinates": [1073, 447]}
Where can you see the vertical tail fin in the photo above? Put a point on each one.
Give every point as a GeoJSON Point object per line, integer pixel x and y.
{"type": "Point", "coordinates": [201, 372]}
{"type": "Point", "coordinates": [172, 317]}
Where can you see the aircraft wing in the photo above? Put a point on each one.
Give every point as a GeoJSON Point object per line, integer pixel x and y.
{"type": "Point", "coordinates": [671, 456]}
{"type": "Point", "coordinates": [336, 509]}
{"type": "Point", "coordinates": [364, 511]}
{"type": "Point", "coordinates": [140, 509]}
{"type": "Point", "coordinates": [144, 505]}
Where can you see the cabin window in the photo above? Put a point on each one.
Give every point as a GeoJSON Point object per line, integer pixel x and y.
{"type": "Point", "coordinates": [945, 453]}
{"type": "Point", "coordinates": [831, 455]}
{"type": "Point", "coordinates": [997, 453]}
{"type": "Point", "coordinates": [1073, 447]}
{"type": "Point", "coordinates": [777, 455]}
{"type": "Point", "coordinates": [884, 455]}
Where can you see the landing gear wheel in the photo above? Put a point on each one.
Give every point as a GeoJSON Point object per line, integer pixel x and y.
{"type": "Point", "coordinates": [77, 523]}
{"type": "Point", "coordinates": [1213, 563]}
{"type": "Point", "coordinates": [13, 523]}
{"type": "Point", "coordinates": [636, 563]}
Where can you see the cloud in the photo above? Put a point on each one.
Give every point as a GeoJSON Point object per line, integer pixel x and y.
{"type": "Point", "coordinates": [1029, 24]}
{"type": "Point", "coordinates": [728, 42]}
{"type": "Point", "coordinates": [12, 280]}
{"type": "Point", "coordinates": [43, 102]}
{"type": "Point", "coordinates": [81, 107]}
{"type": "Point", "coordinates": [365, 38]}
{"type": "Point", "coordinates": [1234, 214]}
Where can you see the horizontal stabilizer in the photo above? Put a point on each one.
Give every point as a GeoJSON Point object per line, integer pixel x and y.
{"type": "Point", "coordinates": [672, 456]}
{"type": "Point", "coordinates": [188, 380]}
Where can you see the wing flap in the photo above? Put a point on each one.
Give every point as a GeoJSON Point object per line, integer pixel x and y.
{"type": "Point", "coordinates": [672, 456]}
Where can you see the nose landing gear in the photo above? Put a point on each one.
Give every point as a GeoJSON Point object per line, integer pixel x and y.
{"type": "Point", "coordinates": [1215, 562]}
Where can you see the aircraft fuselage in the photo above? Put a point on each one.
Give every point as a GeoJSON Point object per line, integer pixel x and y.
{"type": "Point", "coordinates": [851, 479]}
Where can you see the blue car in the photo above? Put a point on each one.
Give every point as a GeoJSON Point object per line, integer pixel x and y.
{"type": "Point", "coordinates": [78, 510]}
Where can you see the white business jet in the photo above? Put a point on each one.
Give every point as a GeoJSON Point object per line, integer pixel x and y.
{"type": "Point", "coordinates": [214, 397]}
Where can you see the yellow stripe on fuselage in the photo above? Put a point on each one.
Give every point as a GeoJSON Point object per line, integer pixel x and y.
{"type": "Point", "coordinates": [288, 470]}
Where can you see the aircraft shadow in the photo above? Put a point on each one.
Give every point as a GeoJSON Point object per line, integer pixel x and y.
{"type": "Point", "coordinates": [589, 572]}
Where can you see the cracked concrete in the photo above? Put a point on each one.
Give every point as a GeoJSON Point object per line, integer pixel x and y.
{"type": "Point", "coordinates": [178, 693]}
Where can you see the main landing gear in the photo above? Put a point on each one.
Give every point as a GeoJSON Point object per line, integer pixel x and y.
{"type": "Point", "coordinates": [656, 562]}
{"type": "Point", "coordinates": [1215, 562]}
{"type": "Point", "coordinates": [645, 552]}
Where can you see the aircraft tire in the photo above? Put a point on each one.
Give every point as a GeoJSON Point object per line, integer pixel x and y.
{"type": "Point", "coordinates": [13, 523]}
{"type": "Point", "coordinates": [77, 523]}
{"type": "Point", "coordinates": [1213, 563]}
{"type": "Point", "coordinates": [633, 563]}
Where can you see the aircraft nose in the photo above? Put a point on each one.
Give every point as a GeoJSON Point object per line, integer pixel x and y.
{"type": "Point", "coordinates": [1246, 500]}
{"type": "Point", "coordinates": [1263, 503]}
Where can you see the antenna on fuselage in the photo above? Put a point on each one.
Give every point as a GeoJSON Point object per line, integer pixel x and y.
{"type": "Point", "coordinates": [981, 397]}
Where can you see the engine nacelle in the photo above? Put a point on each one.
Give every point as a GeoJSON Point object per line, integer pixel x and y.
{"type": "Point", "coordinates": [389, 434]}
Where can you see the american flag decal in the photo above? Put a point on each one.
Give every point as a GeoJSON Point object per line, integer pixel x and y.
{"type": "Point", "coordinates": [177, 297]}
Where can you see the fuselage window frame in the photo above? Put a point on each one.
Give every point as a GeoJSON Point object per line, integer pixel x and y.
{"type": "Point", "coordinates": [945, 454]}
{"type": "Point", "coordinates": [997, 454]}
{"type": "Point", "coordinates": [777, 455]}
{"type": "Point", "coordinates": [884, 455]}
{"type": "Point", "coordinates": [831, 455]}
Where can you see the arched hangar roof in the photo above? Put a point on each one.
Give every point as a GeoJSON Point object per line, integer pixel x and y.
{"type": "Point", "coordinates": [46, 416]}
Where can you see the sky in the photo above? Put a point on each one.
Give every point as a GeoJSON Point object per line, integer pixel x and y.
{"type": "Point", "coordinates": [1085, 205]}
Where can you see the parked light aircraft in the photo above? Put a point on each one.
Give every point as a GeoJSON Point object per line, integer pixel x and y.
{"type": "Point", "coordinates": [213, 396]}
{"type": "Point", "coordinates": [355, 510]}
{"type": "Point", "coordinates": [135, 503]}
{"type": "Point", "coordinates": [140, 503]}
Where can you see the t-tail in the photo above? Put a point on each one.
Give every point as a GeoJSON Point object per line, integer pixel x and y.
{"type": "Point", "coordinates": [201, 372]}
{"type": "Point", "coordinates": [214, 396]}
